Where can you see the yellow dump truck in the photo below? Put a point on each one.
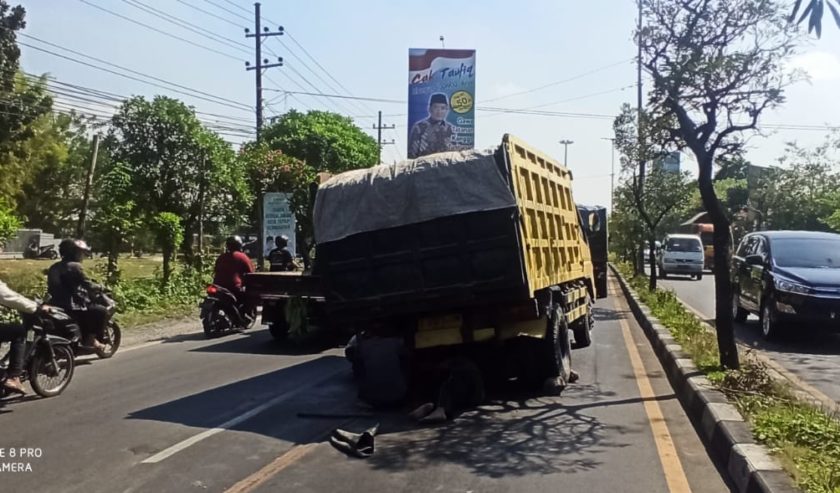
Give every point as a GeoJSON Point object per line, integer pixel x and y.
{"type": "Point", "coordinates": [451, 250]}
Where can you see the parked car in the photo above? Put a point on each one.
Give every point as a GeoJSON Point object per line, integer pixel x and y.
{"type": "Point", "coordinates": [681, 254]}
{"type": "Point", "coordinates": [787, 276]}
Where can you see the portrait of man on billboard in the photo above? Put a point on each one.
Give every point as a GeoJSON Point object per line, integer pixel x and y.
{"type": "Point", "coordinates": [432, 134]}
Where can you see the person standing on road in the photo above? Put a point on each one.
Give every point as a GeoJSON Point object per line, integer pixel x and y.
{"type": "Point", "coordinates": [432, 134]}
{"type": "Point", "coordinates": [15, 334]}
{"type": "Point", "coordinates": [281, 258]}
{"type": "Point", "coordinates": [72, 291]}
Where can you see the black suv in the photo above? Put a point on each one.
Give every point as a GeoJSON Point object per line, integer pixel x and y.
{"type": "Point", "coordinates": [787, 276]}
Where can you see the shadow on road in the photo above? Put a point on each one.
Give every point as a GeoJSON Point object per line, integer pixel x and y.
{"type": "Point", "coordinates": [260, 342]}
{"type": "Point", "coordinates": [800, 340]}
{"type": "Point", "coordinates": [512, 435]}
{"type": "Point", "coordinates": [213, 407]}
{"type": "Point", "coordinates": [607, 314]}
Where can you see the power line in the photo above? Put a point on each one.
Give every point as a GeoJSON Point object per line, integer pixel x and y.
{"type": "Point", "coordinates": [172, 19]}
{"type": "Point", "coordinates": [238, 6]}
{"type": "Point", "coordinates": [129, 19]}
{"type": "Point", "coordinates": [216, 100]}
{"type": "Point", "coordinates": [230, 11]}
{"type": "Point", "coordinates": [211, 14]}
{"type": "Point", "coordinates": [558, 82]}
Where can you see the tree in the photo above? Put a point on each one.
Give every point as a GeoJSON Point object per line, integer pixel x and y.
{"type": "Point", "coordinates": [814, 12]}
{"type": "Point", "coordinates": [716, 65]}
{"type": "Point", "coordinates": [51, 196]}
{"type": "Point", "coordinates": [169, 235]}
{"type": "Point", "coordinates": [9, 223]}
{"type": "Point", "coordinates": [273, 171]}
{"type": "Point", "coordinates": [325, 141]}
{"type": "Point", "coordinates": [664, 193]}
{"type": "Point", "coordinates": [170, 157]}
{"type": "Point", "coordinates": [21, 107]}
{"type": "Point", "coordinates": [116, 215]}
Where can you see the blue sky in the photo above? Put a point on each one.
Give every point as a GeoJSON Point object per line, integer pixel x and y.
{"type": "Point", "coordinates": [364, 46]}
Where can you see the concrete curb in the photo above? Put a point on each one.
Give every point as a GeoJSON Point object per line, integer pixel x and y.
{"type": "Point", "coordinates": [726, 434]}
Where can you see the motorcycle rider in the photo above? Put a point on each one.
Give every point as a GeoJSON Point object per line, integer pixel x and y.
{"type": "Point", "coordinates": [71, 290]}
{"type": "Point", "coordinates": [231, 266]}
{"type": "Point", "coordinates": [16, 335]}
{"type": "Point", "coordinates": [281, 258]}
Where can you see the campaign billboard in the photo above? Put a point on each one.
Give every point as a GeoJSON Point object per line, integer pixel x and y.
{"type": "Point", "coordinates": [441, 101]}
{"type": "Point", "coordinates": [278, 219]}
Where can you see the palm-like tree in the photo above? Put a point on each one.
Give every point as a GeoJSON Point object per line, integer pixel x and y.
{"type": "Point", "coordinates": [814, 10]}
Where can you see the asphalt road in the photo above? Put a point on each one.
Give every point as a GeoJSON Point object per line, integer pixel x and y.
{"type": "Point", "coordinates": [811, 355]}
{"type": "Point", "coordinates": [222, 415]}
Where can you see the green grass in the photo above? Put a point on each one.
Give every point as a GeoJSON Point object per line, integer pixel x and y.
{"type": "Point", "coordinates": [804, 438]}
{"type": "Point", "coordinates": [29, 276]}
{"type": "Point", "coordinates": [140, 298]}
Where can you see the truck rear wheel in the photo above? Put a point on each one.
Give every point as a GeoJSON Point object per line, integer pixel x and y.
{"type": "Point", "coordinates": [548, 358]}
{"type": "Point", "coordinates": [583, 328]}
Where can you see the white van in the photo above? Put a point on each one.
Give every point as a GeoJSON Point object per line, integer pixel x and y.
{"type": "Point", "coordinates": [681, 254]}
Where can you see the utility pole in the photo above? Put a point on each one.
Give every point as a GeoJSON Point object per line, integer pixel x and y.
{"type": "Point", "coordinates": [566, 144]}
{"type": "Point", "coordinates": [442, 42]}
{"type": "Point", "coordinates": [202, 186]}
{"type": "Point", "coordinates": [640, 136]}
{"type": "Point", "coordinates": [379, 128]}
{"type": "Point", "coordinates": [80, 228]}
{"type": "Point", "coordinates": [261, 64]}
{"type": "Point", "coordinates": [612, 171]}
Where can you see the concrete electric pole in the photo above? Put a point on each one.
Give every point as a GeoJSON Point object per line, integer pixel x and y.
{"type": "Point", "coordinates": [261, 64]}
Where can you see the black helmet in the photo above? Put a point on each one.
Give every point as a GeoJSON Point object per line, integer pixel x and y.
{"type": "Point", "coordinates": [233, 244]}
{"type": "Point", "coordinates": [281, 241]}
{"type": "Point", "coordinates": [74, 250]}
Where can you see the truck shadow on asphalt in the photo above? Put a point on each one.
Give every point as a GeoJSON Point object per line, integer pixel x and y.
{"type": "Point", "coordinates": [515, 433]}
{"type": "Point", "coordinates": [259, 341]}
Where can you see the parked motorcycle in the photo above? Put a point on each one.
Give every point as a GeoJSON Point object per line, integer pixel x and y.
{"type": "Point", "coordinates": [48, 362]}
{"type": "Point", "coordinates": [221, 312]}
{"type": "Point", "coordinates": [111, 339]}
{"type": "Point", "coordinates": [35, 252]}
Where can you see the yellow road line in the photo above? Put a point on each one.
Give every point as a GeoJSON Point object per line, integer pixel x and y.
{"type": "Point", "coordinates": [671, 465]}
{"type": "Point", "coordinates": [271, 469]}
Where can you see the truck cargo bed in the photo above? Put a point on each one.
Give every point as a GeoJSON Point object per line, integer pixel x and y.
{"type": "Point", "coordinates": [454, 261]}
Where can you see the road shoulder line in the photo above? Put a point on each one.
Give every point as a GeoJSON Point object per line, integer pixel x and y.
{"type": "Point", "coordinates": [729, 441]}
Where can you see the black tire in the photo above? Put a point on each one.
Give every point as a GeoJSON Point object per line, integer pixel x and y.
{"type": "Point", "coordinates": [583, 328]}
{"type": "Point", "coordinates": [46, 380]}
{"type": "Point", "coordinates": [738, 313]}
{"type": "Point", "coordinates": [770, 327]}
{"type": "Point", "coordinates": [553, 358]}
{"type": "Point", "coordinates": [699, 276]}
{"type": "Point", "coordinates": [113, 337]}
{"type": "Point", "coordinates": [279, 329]}
{"type": "Point", "coordinates": [214, 323]}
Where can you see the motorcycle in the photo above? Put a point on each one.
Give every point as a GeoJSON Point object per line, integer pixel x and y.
{"type": "Point", "coordinates": [222, 312]}
{"type": "Point", "coordinates": [111, 339]}
{"type": "Point", "coordinates": [34, 252]}
{"type": "Point", "coordinates": [48, 362]}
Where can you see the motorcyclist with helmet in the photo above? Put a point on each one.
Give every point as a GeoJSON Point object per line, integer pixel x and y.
{"type": "Point", "coordinates": [230, 268]}
{"type": "Point", "coordinates": [71, 290]}
{"type": "Point", "coordinates": [281, 258]}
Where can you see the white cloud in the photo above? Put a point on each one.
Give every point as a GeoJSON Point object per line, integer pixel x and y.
{"type": "Point", "coordinates": [820, 65]}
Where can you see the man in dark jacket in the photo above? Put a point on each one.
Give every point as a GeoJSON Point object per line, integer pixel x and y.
{"type": "Point", "coordinates": [281, 258]}
{"type": "Point", "coordinates": [71, 290]}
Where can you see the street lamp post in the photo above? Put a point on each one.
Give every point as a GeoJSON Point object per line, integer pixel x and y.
{"type": "Point", "coordinates": [566, 144]}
